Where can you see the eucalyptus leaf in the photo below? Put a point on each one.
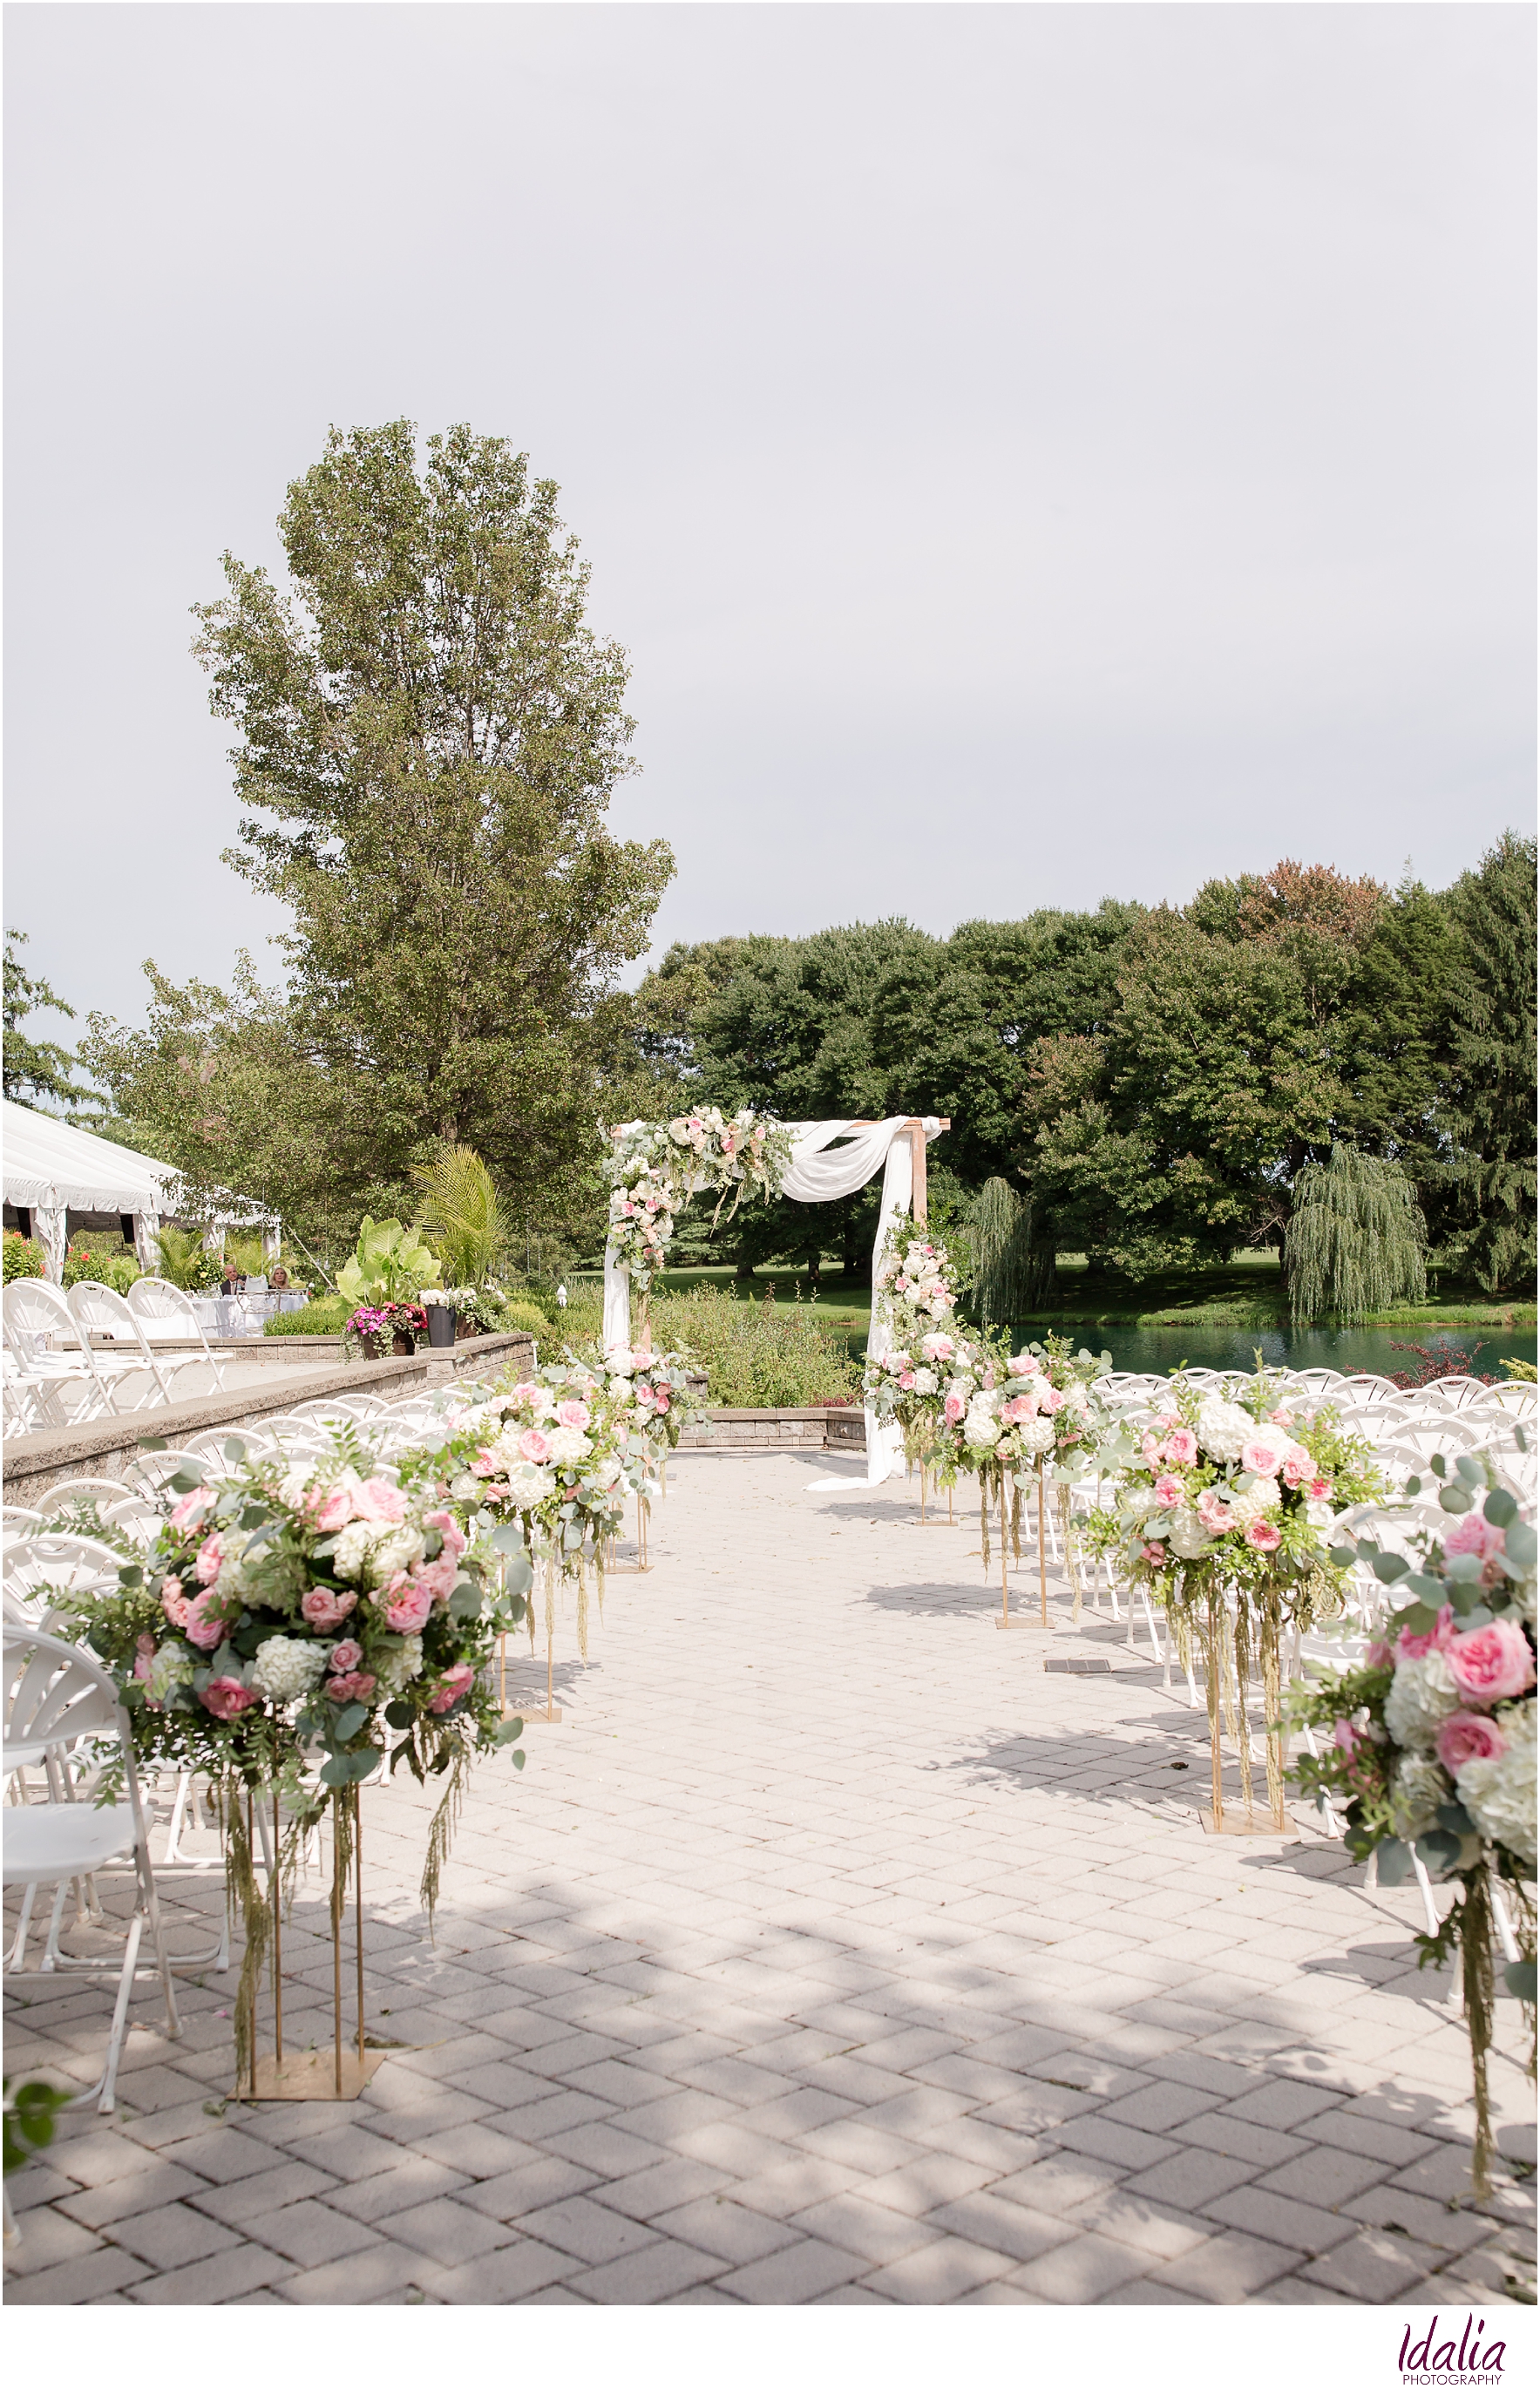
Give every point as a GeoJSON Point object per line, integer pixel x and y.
{"type": "Point", "coordinates": [1395, 1862]}
{"type": "Point", "coordinates": [1471, 1472]}
{"type": "Point", "coordinates": [334, 1772]}
{"type": "Point", "coordinates": [1500, 1508]}
{"type": "Point", "coordinates": [351, 1720]}
{"type": "Point", "coordinates": [1426, 1585]}
{"type": "Point", "coordinates": [1520, 1546]}
{"type": "Point", "coordinates": [1455, 1500]}
{"type": "Point", "coordinates": [1390, 1569]}
{"type": "Point", "coordinates": [1518, 1980]}
{"type": "Point", "coordinates": [152, 1446]}
{"type": "Point", "coordinates": [1456, 1821]}
{"type": "Point", "coordinates": [1440, 1850]}
{"type": "Point", "coordinates": [1414, 1487]}
{"type": "Point", "coordinates": [399, 1716]}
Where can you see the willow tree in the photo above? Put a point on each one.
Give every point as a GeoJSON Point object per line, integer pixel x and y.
{"type": "Point", "coordinates": [429, 734]}
{"type": "Point", "coordinates": [1355, 1242]}
{"type": "Point", "coordinates": [1013, 1265]}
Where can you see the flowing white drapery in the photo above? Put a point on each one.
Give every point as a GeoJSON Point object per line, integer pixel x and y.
{"type": "Point", "coordinates": [820, 1172]}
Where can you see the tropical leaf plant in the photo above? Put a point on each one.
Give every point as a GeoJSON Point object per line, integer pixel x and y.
{"type": "Point", "coordinates": [185, 1262]}
{"type": "Point", "coordinates": [390, 1265]}
{"type": "Point", "coordinates": [464, 1212]}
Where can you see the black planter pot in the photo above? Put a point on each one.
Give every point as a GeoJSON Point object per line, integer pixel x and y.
{"type": "Point", "coordinates": [441, 1326]}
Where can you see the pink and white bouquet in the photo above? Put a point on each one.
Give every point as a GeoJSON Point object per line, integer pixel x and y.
{"type": "Point", "coordinates": [1236, 1485]}
{"type": "Point", "coordinates": [1430, 1743]}
{"type": "Point", "coordinates": [284, 1610]}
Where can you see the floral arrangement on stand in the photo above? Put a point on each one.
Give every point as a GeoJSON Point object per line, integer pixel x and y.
{"type": "Point", "coordinates": [552, 1459]}
{"type": "Point", "coordinates": [656, 1168]}
{"type": "Point", "coordinates": [286, 1617]}
{"type": "Point", "coordinates": [1430, 1743]}
{"type": "Point", "coordinates": [1223, 1509]}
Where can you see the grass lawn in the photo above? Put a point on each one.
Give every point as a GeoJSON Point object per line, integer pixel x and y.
{"type": "Point", "coordinates": [1246, 1295]}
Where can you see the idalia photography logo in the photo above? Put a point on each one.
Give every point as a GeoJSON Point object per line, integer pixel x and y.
{"type": "Point", "coordinates": [1451, 2358]}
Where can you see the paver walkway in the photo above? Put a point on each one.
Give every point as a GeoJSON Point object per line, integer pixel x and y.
{"type": "Point", "coordinates": [830, 1950]}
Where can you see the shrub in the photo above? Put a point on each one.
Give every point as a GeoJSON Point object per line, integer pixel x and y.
{"type": "Point", "coordinates": [23, 1258]}
{"type": "Point", "coordinates": [115, 1266]}
{"type": "Point", "coordinates": [756, 1354]}
{"type": "Point", "coordinates": [321, 1316]}
{"type": "Point", "coordinates": [185, 1262]}
{"type": "Point", "coordinates": [523, 1313]}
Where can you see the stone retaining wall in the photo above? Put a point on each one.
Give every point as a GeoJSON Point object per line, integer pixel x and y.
{"type": "Point", "coordinates": [751, 1430]}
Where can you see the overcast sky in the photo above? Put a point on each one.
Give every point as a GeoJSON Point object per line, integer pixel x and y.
{"type": "Point", "coordinates": [1030, 452]}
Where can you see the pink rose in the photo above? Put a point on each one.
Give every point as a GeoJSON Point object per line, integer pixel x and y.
{"type": "Point", "coordinates": [1151, 1449]}
{"type": "Point", "coordinates": [660, 1399]}
{"type": "Point", "coordinates": [346, 1655]}
{"type": "Point", "coordinates": [645, 1393]}
{"type": "Point", "coordinates": [187, 1508]}
{"type": "Point", "coordinates": [205, 1627]}
{"type": "Point", "coordinates": [1491, 1662]}
{"type": "Point", "coordinates": [1169, 1490]}
{"type": "Point", "coordinates": [1347, 1736]}
{"type": "Point", "coordinates": [1474, 1535]}
{"type": "Point", "coordinates": [526, 1394]}
{"type": "Point", "coordinates": [1181, 1446]}
{"type": "Point", "coordinates": [1167, 1421]}
{"type": "Point", "coordinates": [438, 1578]}
{"type": "Point", "coordinates": [906, 1380]}
{"type": "Point", "coordinates": [1281, 1415]}
{"type": "Point", "coordinates": [1263, 1454]}
{"type": "Point", "coordinates": [210, 1557]}
{"type": "Point", "coordinates": [1049, 1399]}
{"type": "Point", "coordinates": [1412, 1645]}
{"type": "Point", "coordinates": [409, 1605]}
{"type": "Point", "coordinates": [483, 1467]}
{"type": "Point", "coordinates": [1469, 1738]}
{"type": "Point", "coordinates": [324, 1608]}
{"type": "Point", "coordinates": [348, 1685]}
{"type": "Point", "coordinates": [1213, 1513]}
{"type": "Point", "coordinates": [1295, 1469]}
{"type": "Point", "coordinates": [1378, 1656]}
{"type": "Point", "coordinates": [331, 1509]}
{"type": "Point", "coordinates": [954, 1408]}
{"type": "Point", "coordinates": [225, 1699]}
{"type": "Point", "coordinates": [1262, 1535]}
{"type": "Point", "coordinates": [1154, 1553]}
{"type": "Point", "coordinates": [1321, 1487]}
{"type": "Point", "coordinates": [534, 1447]}
{"type": "Point", "coordinates": [453, 1683]}
{"type": "Point", "coordinates": [144, 1655]}
{"type": "Point", "coordinates": [1020, 1408]}
{"type": "Point", "coordinates": [449, 1529]}
{"type": "Point", "coordinates": [173, 1603]}
{"type": "Point", "coordinates": [572, 1414]}
{"type": "Point", "coordinates": [379, 1501]}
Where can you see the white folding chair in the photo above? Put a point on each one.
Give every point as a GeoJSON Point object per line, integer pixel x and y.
{"type": "Point", "coordinates": [81, 1383]}
{"type": "Point", "coordinates": [165, 1312]}
{"type": "Point", "coordinates": [58, 1698]}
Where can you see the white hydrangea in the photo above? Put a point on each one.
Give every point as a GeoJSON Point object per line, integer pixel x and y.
{"type": "Point", "coordinates": [924, 1384]}
{"type": "Point", "coordinates": [464, 1484]}
{"type": "Point", "coordinates": [1419, 1786]}
{"type": "Point", "coordinates": [606, 1472]}
{"type": "Point", "coordinates": [1187, 1536]}
{"type": "Point", "coordinates": [294, 1484]}
{"type": "Point", "coordinates": [286, 1669]}
{"type": "Point", "coordinates": [1264, 1497]}
{"type": "Point", "coordinates": [620, 1387]}
{"type": "Point", "coordinates": [568, 1445]}
{"type": "Point", "coordinates": [504, 1451]}
{"type": "Point", "coordinates": [401, 1666]}
{"type": "Point", "coordinates": [1223, 1429]}
{"type": "Point", "coordinates": [1037, 1435]}
{"type": "Point", "coordinates": [979, 1428]}
{"type": "Point", "coordinates": [530, 1484]}
{"type": "Point", "coordinates": [397, 1551]}
{"type": "Point", "coordinates": [1422, 1695]}
{"type": "Point", "coordinates": [351, 1549]}
{"type": "Point", "coordinates": [1499, 1797]}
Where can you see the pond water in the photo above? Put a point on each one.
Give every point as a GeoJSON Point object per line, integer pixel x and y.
{"type": "Point", "coordinates": [1138, 1348]}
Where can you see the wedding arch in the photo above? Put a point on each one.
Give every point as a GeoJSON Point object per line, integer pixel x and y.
{"type": "Point", "coordinates": [658, 1168]}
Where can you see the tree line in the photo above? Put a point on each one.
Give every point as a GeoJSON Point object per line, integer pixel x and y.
{"type": "Point", "coordinates": [427, 736]}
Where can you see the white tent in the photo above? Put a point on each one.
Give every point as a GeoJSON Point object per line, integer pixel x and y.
{"type": "Point", "coordinates": [50, 1166]}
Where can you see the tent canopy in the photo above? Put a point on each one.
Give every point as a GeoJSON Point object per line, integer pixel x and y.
{"type": "Point", "coordinates": [51, 1163]}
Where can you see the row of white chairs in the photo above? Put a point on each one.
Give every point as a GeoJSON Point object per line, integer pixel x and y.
{"type": "Point", "coordinates": [56, 1374]}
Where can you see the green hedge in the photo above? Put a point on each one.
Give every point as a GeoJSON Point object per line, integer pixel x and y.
{"type": "Point", "coordinates": [321, 1316]}
{"type": "Point", "coordinates": [756, 1354]}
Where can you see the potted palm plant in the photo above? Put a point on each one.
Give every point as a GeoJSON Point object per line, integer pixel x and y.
{"type": "Point", "coordinates": [462, 1208]}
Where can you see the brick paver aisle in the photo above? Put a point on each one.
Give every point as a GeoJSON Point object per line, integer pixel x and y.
{"type": "Point", "coordinates": [830, 1950]}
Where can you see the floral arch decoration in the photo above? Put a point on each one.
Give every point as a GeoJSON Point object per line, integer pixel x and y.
{"type": "Point", "coordinates": [657, 1168]}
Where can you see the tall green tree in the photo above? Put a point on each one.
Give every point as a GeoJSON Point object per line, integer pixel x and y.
{"type": "Point", "coordinates": [34, 1069]}
{"type": "Point", "coordinates": [429, 734]}
{"type": "Point", "coordinates": [1488, 1113]}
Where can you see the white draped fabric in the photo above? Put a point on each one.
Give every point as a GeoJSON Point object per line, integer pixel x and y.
{"type": "Point", "coordinates": [820, 1172]}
